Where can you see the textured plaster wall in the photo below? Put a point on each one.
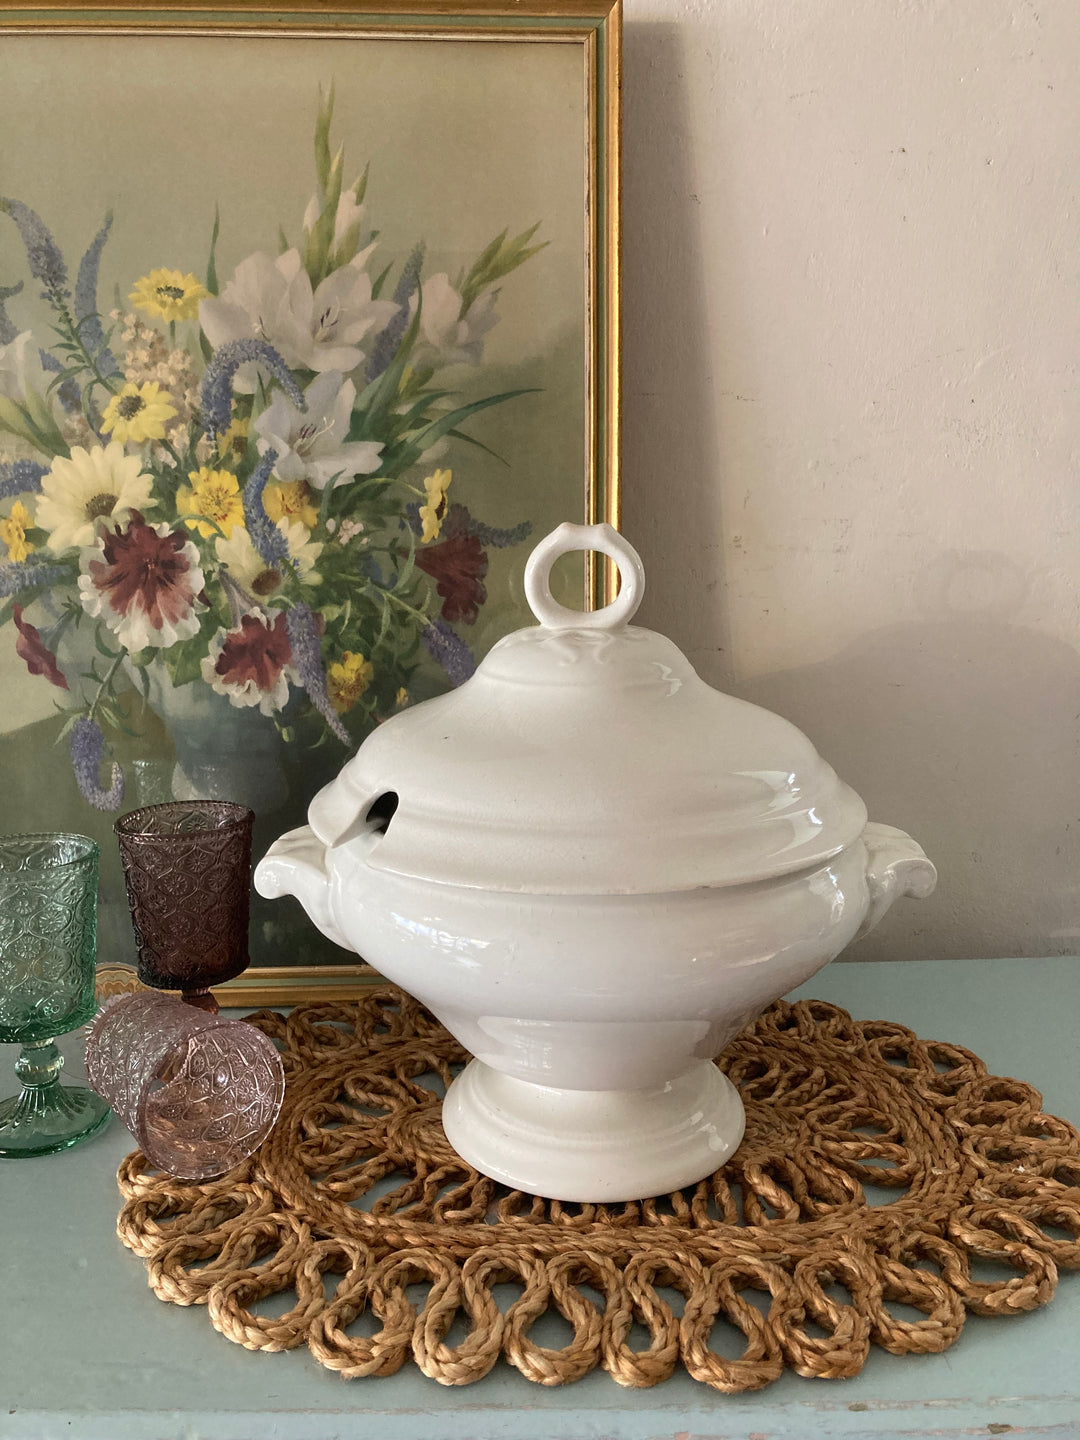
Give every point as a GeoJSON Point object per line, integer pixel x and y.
{"type": "Point", "coordinates": [851, 440]}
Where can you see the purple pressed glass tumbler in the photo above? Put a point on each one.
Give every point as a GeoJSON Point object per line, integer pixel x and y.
{"type": "Point", "coordinates": [187, 866]}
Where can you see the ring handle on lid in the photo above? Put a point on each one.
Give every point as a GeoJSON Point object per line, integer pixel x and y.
{"type": "Point", "coordinates": [563, 541]}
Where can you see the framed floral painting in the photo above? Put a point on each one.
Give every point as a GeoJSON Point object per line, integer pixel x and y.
{"type": "Point", "coordinates": [308, 328]}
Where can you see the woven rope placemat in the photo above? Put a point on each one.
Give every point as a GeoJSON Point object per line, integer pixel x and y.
{"type": "Point", "coordinates": [384, 1246]}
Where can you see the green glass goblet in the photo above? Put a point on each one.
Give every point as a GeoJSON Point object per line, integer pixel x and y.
{"type": "Point", "coordinates": [48, 937]}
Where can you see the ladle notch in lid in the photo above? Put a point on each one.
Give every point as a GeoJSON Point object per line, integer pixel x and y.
{"type": "Point", "coordinates": [586, 756]}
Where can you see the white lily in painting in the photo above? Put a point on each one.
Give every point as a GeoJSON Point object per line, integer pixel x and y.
{"type": "Point", "coordinates": [273, 300]}
{"type": "Point", "coordinates": [20, 366]}
{"type": "Point", "coordinates": [339, 316]}
{"type": "Point", "coordinates": [253, 305]}
{"type": "Point", "coordinates": [312, 445]}
{"type": "Point", "coordinates": [448, 336]}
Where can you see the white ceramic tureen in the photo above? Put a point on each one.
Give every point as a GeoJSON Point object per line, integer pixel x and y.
{"type": "Point", "coordinates": [595, 870]}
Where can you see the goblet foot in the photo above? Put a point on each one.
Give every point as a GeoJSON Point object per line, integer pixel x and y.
{"type": "Point", "coordinates": [598, 1146]}
{"type": "Point", "coordinates": [201, 999]}
{"type": "Point", "coordinates": [47, 1116]}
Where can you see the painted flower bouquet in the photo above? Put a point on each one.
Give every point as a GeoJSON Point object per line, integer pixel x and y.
{"type": "Point", "coordinates": [242, 485]}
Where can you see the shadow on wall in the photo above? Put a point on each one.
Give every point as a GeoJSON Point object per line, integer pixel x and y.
{"type": "Point", "coordinates": [964, 729]}
{"type": "Point", "coordinates": [671, 443]}
{"type": "Point", "coordinates": [962, 726]}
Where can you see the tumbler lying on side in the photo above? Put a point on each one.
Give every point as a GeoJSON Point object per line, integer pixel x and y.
{"type": "Point", "coordinates": [199, 1092]}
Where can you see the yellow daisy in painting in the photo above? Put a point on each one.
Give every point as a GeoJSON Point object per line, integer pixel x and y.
{"type": "Point", "coordinates": [13, 528]}
{"type": "Point", "coordinates": [347, 679]}
{"type": "Point", "coordinates": [168, 294]}
{"type": "Point", "coordinates": [215, 495]}
{"type": "Point", "coordinates": [138, 413]}
{"type": "Point", "coordinates": [290, 500]}
{"type": "Point", "coordinates": [431, 513]}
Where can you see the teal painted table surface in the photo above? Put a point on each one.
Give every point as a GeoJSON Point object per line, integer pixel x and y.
{"type": "Point", "coordinates": [87, 1351]}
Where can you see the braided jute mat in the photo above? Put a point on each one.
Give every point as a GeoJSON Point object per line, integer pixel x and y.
{"type": "Point", "coordinates": [359, 1221]}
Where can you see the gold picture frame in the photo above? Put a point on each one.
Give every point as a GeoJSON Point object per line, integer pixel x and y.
{"type": "Point", "coordinates": [589, 31]}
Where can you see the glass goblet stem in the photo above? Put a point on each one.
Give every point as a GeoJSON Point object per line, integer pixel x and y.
{"type": "Point", "coordinates": [202, 999]}
{"type": "Point", "coordinates": [39, 1064]}
{"type": "Point", "coordinates": [38, 1067]}
{"type": "Point", "coordinates": [40, 1118]}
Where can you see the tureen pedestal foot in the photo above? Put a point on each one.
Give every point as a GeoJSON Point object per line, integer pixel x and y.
{"type": "Point", "coordinates": [599, 1146]}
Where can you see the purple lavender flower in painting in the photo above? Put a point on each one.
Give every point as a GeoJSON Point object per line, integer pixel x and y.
{"type": "Point", "coordinates": [385, 347]}
{"type": "Point", "coordinates": [450, 651]}
{"type": "Point", "coordinates": [268, 540]}
{"type": "Point", "coordinates": [86, 312]}
{"type": "Point", "coordinates": [46, 262]}
{"type": "Point", "coordinates": [33, 572]}
{"type": "Point", "coordinates": [19, 476]}
{"type": "Point", "coordinates": [7, 327]}
{"type": "Point", "coordinates": [499, 539]}
{"type": "Point", "coordinates": [218, 380]}
{"type": "Point", "coordinates": [307, 660]}
{"type": "Point", "coordinates": [70, 395]}
{"type": "Point", "coordinates": [86, 282]}
{"type": "Point", "coordinates": [87, 750]}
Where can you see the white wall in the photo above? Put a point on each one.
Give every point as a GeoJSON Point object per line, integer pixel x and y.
{"type": "Point", "coordinates": [851, 313]}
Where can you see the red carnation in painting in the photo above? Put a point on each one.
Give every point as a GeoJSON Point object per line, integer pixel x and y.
{"type": "Point", "coordinates": [30, 647]}
{"type": "Point", "coordinates": [457, 563]}
{"type": "Point", "coordinates": [144, 582]}
{"type": "Point", "coordinates": [253, 663]}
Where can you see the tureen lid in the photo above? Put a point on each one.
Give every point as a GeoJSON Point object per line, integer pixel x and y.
{"type": "Point", "coordinates": [586, 756]}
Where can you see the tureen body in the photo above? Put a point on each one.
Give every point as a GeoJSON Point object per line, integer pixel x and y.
{"type": "Point", "coordinates": [595, 870]}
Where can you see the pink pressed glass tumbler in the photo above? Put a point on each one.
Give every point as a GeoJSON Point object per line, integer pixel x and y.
{"type": "Point", "coordinates": [199, 1092]}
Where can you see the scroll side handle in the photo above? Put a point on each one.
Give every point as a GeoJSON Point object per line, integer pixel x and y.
{"type": "Point", "coordinates": [896, 865]}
